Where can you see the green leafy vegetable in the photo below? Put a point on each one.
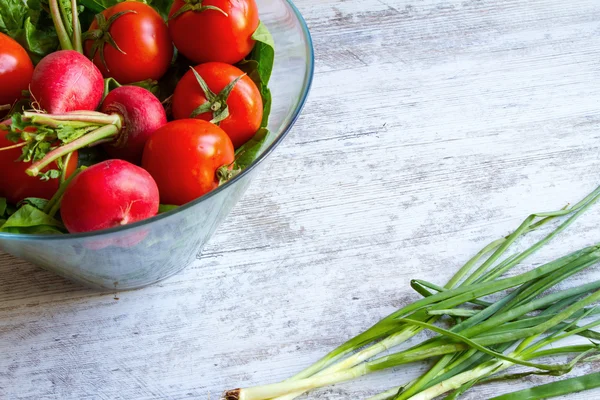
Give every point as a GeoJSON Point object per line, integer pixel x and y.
{"type": "Point", "coordinates": [162, 6]}
{"type": "Point", "coordinates": [12, 15]}
{"type": "Point", "coordinates": [245, 155]}
{"type": "Point", "coordinates": [29, 219]}
{"type": "Point", "coordinates": [98, 5]}
{"type": "Point", "coordinates": [263, 53]}
{"type": "Point", "coordinates": [259, 66]}
{"type": "Point", "coordinates": [3, 205]}
{"type": "Point", "coordinates": [30, 25]}
{"type": "Point", "coordinates": [166, 86]}
{"type": "Point", "coordinates": [163, 208]}
{"type": "Point", "coordinates": [149, 84]}
{"type": "Point", "coordinates": [35, 202]}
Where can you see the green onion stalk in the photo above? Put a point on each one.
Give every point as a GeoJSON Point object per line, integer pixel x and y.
{"type": "Point", "coordinates": [453, 341]}
{"type": "Point", "coordinates": [554, 389]}
{"type": "Point", "coordinates": [473, 348]}
{"type": "Point", "coordinates": [524, 352]}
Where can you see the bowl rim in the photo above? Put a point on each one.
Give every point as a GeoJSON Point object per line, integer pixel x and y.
{"type": "Point", "coordinates": [308, 80]}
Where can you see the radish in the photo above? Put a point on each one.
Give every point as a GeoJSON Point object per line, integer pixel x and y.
{"type": "Point", "coordinates": [66, 81]}
{"type": "Point", "coordinates": [109, 194]}
{"type": "Point", "coordinates": [131, 115]}
{"type": "Point", "coordinates": [142, 114]}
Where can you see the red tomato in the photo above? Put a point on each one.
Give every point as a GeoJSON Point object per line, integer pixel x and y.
{"type": "Point", "coordinates": [16, 70]}
{"type": "Point", "coordinates": [141, 34]}
{"type": "Point", "coordinates": [244, 101]}
{"type": "Point", "coordinates": [15, 184]}
{"type": "Point", "coordinates": [203, 34]}
{"type": "Point", "coordinates": [183, 157]}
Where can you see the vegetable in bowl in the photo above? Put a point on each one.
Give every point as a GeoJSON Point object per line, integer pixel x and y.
{"type": "Point", "coordinates": [17, 70]}
{"type": "Point", "coordinates": [129, 42]}
{"type": "Point", "coordinates": [142, 253]}
{"type": "Point", "coordinates": [109, 90]}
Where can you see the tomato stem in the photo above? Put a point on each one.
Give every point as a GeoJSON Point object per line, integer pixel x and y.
{"type": "Point", "coordinates": [226, 173]}
{"type": "Point", "coordinates": [196, 6]}
{"type": "Point", "coordinates": [102, 36]}
{"type": "Point", "coordinates": [89, 139]}
{"type": "Point", "coordinates": [215, 103]}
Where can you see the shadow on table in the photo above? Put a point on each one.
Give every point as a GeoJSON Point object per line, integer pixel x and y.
{"type": "Point", "coordinates": [20, 280]}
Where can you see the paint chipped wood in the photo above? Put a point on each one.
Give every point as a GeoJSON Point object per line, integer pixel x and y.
{"type": "Point", "coordinates": [433, 128]}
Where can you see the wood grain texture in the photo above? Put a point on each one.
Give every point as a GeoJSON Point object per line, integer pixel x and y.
{"type": "Point", "coordinates": [433, 128]}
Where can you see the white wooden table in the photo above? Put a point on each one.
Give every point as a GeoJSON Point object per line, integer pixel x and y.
{"type": "Point", "coordinates": [434, 126]}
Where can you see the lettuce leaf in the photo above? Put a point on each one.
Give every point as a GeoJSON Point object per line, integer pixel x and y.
{"type": "Point", "coordinates": [162, 6]}
{"type": "Point", "coordinates": [30, 25]}
{"type": "Point", "coordinates": [259, 66]}
{"type": "Point", "coordinates": [29, 219]}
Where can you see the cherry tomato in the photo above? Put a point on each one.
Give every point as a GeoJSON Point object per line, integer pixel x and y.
{"type": "Point", "coordinates": [15, 184]}
{"type": "Point", "coordinates": [142, 36]}
{"type": "Point", "coordinates": [244, 101]}
{"type": "Point", "coordinates": [183, 158]}
{"type": "Point", "coordinates": [205, 34]}
{"type": "Point", "coordinates": [16, 70]}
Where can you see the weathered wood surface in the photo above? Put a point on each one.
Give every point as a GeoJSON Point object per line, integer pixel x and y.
{"type": "Point", "coordinates": [433, 127]}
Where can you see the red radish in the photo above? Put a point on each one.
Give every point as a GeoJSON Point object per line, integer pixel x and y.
{"type": "Point", "coordinates": [109, 194]}
{"type": "Point", "coordinates": [132, 115]}
{"type": "Point", "coordinates": [66, 81]}
{"type": "Point", "coordinates": [141, 113]}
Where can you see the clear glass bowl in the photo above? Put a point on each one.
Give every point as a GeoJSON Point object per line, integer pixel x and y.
{"type": "Point", "coordinates": [146, 252]}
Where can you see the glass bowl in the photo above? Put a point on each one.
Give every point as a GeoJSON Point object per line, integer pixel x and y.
{"type": "Point", "coordinates": [146, 252]}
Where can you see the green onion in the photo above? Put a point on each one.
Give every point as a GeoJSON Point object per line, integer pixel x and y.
{"type": "Point", "coordinates": [473, 349]}
{"type": "Point", "coordinates": [559, 388]}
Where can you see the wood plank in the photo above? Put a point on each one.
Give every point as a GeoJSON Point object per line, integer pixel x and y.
{"type": "Point", "coordinates": [433, 128]}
